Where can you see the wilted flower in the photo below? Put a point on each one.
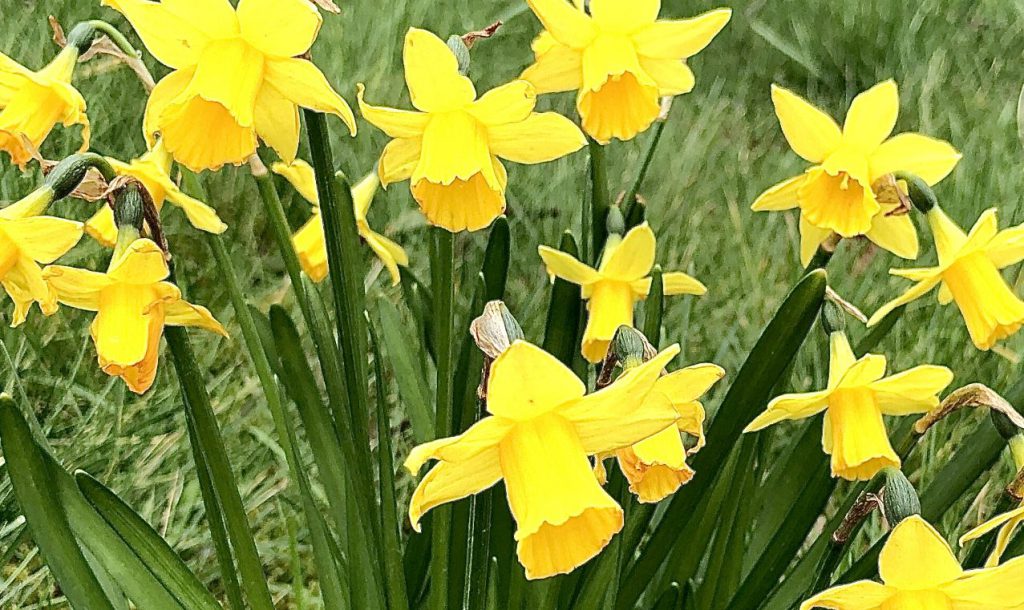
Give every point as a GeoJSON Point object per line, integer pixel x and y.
{"type": "Point", "coordinates": [616, 285]}
{"type": "Point", "coordinates": [619, 58]}
{"type": "Point", "coordinates": [450, 150]}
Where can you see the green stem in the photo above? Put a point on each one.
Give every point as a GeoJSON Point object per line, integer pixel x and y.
{"type": "Point", "coordinates": [85, 32]}
{"type": "Point", "coordinates": [629, 201]}
{"type": "Point", "coordinates": [599, 200]}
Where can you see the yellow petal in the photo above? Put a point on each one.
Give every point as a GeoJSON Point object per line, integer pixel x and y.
{"type": "Point", "coordinates": [447, 482]}
{"type": "Point", "coordinates": [872, 116]}
{"type": "Point", "coordinates": [1007, 523]}
{"type": "Point", "coordinates": [182, 313]}
{"type": "Point", "coordinates": [811, 236]}
{"type": "Point", "coordinates": [306, 86]}
{"type": "Point", "coordinates": [44, 239]}
{"type": "Point", "coordinates": [138, 375]}
{"type": "Point", "coordinates": [567, 267]}
{"type": "Point", "coordinates": [859, 442]}
{"type": "Point", "coordinates": [929, 158]}
{"type": "Point", "coordinates": [141, 263]}
{"type": "Point", "coordinates": [280, 28]}
{"type": "Point", "coordinates": [568, 25]}
{"type": "Point", "coordinates": [915, 292]}
{"type": "Point", "coordinates": [631, 259]}
{"type": "Point", "coordinates": [840, 358]}
{"type": "Point", "coordinates": [690, 383]}
{"type": "Point", "coordinates": [122, 327]}
{"type": "Point", "coordinates": [432, 74]}
{"type": "Point", "coordinates": [838, 201]}
{"type": "Point", "coordinates": [390, 254]}
{"type": "Point", "coordinates": [310, 246]}
{"type": "Point", "coordinates": [912, 391]}
{"type": "Point", "coordinates": [399, 160]}
{"type": "Point", "coordinates": [618, 98]}
{"type": "Point", "coordinates": [177, 31]}
{"type": "Point", "coordinates": [164, 93]}
{"type": "Point", "coordinates": [78, 288]}
{"type": "Point", "coordinates": [557, 67]}
{"type": "Point", "coordinates": [481, 437]}
{"type": "Point", "coordinates": [656, 467]}
{"type": "Point", "coordinates": [610, 305]}
{"type": "Point", "coordinates": [999, 587]}
{"type": "Point", "coordinates": [895, 233]}
{"type": "Point", "coordinates": [949, 237]}
{"type": "Point", "coordinates": [864, 371]}
{"type": "Point", "coordinates": [200, 215]}
{"type": "Point", "coordinates": [1007, 247]}
{"type": "Point", "coordinates": [618, 16]}
{"type": "Point", "coordinates": [991, 524]}
{"type": "Point", "coordinates": [916, 557]}
{"type": "Point", "coordinates": [675, 282]}
{"type": "Point", "coordinates": [990, 308]}
{"type": "Point", "coordinates": [862, 595]}
{"type": "Point", "coordinates": [811, 133]}
{"type": "Point", "coordinates": [539, 138]}
{"type": "Point", "coordinates": [681, 38]}
{"type": "Point", "coordinates": [790, 406]}
{"type": "Point", "coordinates": [454, 147]}
{"type": "Point", "coordinates": [203, 135]}
{"type": "Point", "coordinates": [510, 103]}
{"type": "Point", "coordinates": [230, 72]}
{"type": "Point", "coordinates": [276, 120]}
{"type": "Point", "coordinates": [395, 123]}
{"type": "Point", "coordinates": [782, 196]}
{"type": "Point", "coordinates": [362, 195]}
{"type": "Point", "coordinates": [101, 227]}
{"type": "Point", "coordinates": [300, 175]}
{"type": "Point", "coordinates": [471, 204]}
{"type": "Point", "coordinates": [25, 284]}
{"type": "Point", "coordinates": [672, 76]}
{"type": "Point", "coordinates": [525, 381]}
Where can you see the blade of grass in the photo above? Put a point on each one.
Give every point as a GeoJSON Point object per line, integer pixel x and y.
{"type": "Point", "coordinates": [408, 373]}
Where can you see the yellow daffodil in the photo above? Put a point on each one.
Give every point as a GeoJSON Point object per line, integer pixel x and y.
{"type": "Point", "coordinates": [153, 171]}
{"type": "Point", "coordinates": [32, 103]}
{"type": "Point", "coordinates": [310, 242]}
{"type": "Point", "coordinates": [656, 467]}
{"type": "Point", "coordinates": [857, 396]}
{"type": "Point", "coordinates": [450, 150]}
{"type": "Point", "coordinates": [968, 272]}
{"type": "Point", "coordinates": [1007, 523]}
{"type": "Point", "coordinates": [537, 438]}
{"type": "Point", "coordinates": [616, 285]}
{"type": "Point", "coordinates": [133, 302]}
{"type": "Point", "coordinates": [237, 76]}
{"type": "Point", "coordinates": [839, 192]}
{"type": "Point", "coordinates": [619, 57]}
{"type": "Point", "coordinates": [26, 240]}
{"type": "Point", "coordinates": [920, 572]}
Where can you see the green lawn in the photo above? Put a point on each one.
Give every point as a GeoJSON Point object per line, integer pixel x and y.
{"type": "Point", "coordinates": [959, 70]}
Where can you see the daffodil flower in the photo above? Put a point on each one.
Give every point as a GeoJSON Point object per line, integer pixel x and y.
{"type": "Point", "coordinates": [310, 242]}
{"type": "Point", "coordinates": [616, 285]}
{"type": "Point", "coordinates": [537, 438]}
{"type": "Point", "coordinates": [450, 150]}
{"type": "Point", "coordinates": [968, 272]}
{"type": "Point", "coordinates": [857, 396]}
{"type": "Point", "coordinates": [153, 171]}
{"type": "Point", "coordinates": [237, 76]}
{"type": "Point", "coordinates": [32, 103]}
{"type": "Point", "coordinates": [838, 193]}
{"type": "Point", "coordinates": [26, 240]}
{"type": "Point", "coordinates": [656, 466]}
{"type": "Point", "coordinates": [133, 302]}
{"type": "Point", "coordinates": [1007, 523]}
{"type": "Point", "coordinates": [920, 571]}
{"type": "Point", "coordinates": [620, 58]}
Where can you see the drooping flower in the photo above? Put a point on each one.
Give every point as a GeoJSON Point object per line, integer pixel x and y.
{"type": "Point", "coordinates": [32, 103]}
{"type": "Point", "coordinates": [619, 58]}
{"type": "Point", "coordinates": [919, 571]}
{"type": "Point", "coordinates": [656, 467]}
{"type": "Point", "coordinates": [153, 170]}
{"type": "Point", "coordinates": [27, 239]}
{"type": "Point", "coordinates": [857, 396]}
{"type": "Point", "coordinates": [537, 438]}
{"type": "Point", "coordinates": [968, 272]}
{"type": "Point", "coordinates": [1007, 523]}
{"type": "Point", "coordinates": [839, 193]}
{"type": "Point", "coordinates": [133, 302]}
{"type": "Point", "coordinates": [450, 150]}
{"type": "Point", "coordinates": [616, 285]}
{"type": "Point", "coordinates": [237, 76]}
{"type": "Point", "coordinates": [310, 242]}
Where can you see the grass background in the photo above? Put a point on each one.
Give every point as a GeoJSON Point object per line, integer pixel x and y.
{"type": "Point", "coordinates": [958, 67]}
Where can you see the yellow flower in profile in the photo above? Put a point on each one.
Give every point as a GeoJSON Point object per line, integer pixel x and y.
{"type": "Point", "coordinates": [133, 302]}
{"type": "Point", "coordinates": [839, 192]}
{"type": "Point", "coordinates": [920, 572]}
{"type": "Point", "coordinates": [310, 242]}
{"type": "Point", "coordinates": [26, 240]}
{"type": "Point", "coordinates": [537, 438]}
{"type": "Point", "coordinates": [153, 170]}
{"type": "Point", "coordinates": [616, 285]}
{"type": "Point", "coordinates": [656, 467]}
{"type": "Point", "coordinates": [857, 396]}
{"type": "Point", "coordinates": [619, 57]}
{"type": "Point", "coordinates": [237, 76]}
{"type": "Point", "coordinates": [1007, 523]}
{"type": "Point", "coordinates": [32, 103]}
{"type": "Point", "coordinates": [450, 150]}
{"type": "Point", "coordinates": [968, 272]}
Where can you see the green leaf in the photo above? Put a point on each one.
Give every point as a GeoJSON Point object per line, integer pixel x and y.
{"type": "Point", "coordinates": [562, 328]}
{"type": "Point", "coordinates": [654, 308]}
{"type": "Point", "coordinates": [412, 384]}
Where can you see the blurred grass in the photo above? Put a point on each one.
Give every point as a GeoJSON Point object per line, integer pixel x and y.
{"type": "Point", "coordinates": [957, 64]}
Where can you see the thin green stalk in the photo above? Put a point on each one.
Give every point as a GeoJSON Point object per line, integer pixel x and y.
{"type": "Point", "coordinates": [600, 200]}
{"type": "Point", "coordinates": [630, 213]}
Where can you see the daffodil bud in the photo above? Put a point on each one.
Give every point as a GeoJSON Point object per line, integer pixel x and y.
{"type": "Point", "coordinates": [461, 51]}
{"type": "Point", "coordinates": [832, 318]}
{"type": "Point", "coordinates": [615, 222]}
{"type": "Point", "coordinates": [69, 173]}
{"type": "Point", "coordinates": [629, 346]}
{"type": "Point", "coordinates": [495, 329]}
{"type": "Point", "coordinates": [129, 208]}
{"type": "Point", "coordinates": [899, 498]}
{"type": "Point", "coordinates": [82, 35]}
{"type": "Point", "coordinates": [1005, 426]}
{"type": "Point", "coordinates": [921, 195]}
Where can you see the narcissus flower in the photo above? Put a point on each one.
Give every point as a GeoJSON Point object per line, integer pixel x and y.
{"type": "Point", "coordinates": [616, 285]}
{"type": "Point", "coordinates": [839, 193]}
{"type": "Point", "coordinates": [27, 239]}
{"type": "Point", "coordinates": [968, 273]}
{"type": "Point", "coordinates": [1007, 523]}
{"type": "Point", "coordinates": [857, 396]}
{"type": "Point", "coordinates": [656, 467]}
{"type": "Point", "coordinates": [133, 302]}
{"type": "Point", "coordinates": [237, 76]}
{"type": "Point", "coordinates": [32, 103]}
{"type": "Point", "coordinates": [619, 58]}
{"type": "Point", "coordinates": [920, 571]}
{"type": "Point", "coordinates": [310, 242]}
{"type": "Point", "coordinates": [541, 429]}
{"type": "Point", "coordinates": [153, 170]}
{"type": "Point", "coordinates": [450, 150]}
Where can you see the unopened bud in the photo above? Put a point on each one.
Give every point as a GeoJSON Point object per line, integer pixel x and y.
{"type": "Point", "coordinates": [899, 498]}
{"type": "Point", "coordinates": [832, 318]}
{"type": "Point", "coordinates": [614, 222]}
{"type": "Point", "coordinates": [461, 51]}
{"type": "Point", "coordinates": [921, 195]}
{"type": "Point", "coordinates": [629, 346]}
{"type": "Point", "coordinates": [129, 207]}
{"type": "Point", "coordinates": [495, 329]}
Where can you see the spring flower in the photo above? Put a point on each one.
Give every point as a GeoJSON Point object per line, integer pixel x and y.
{"type": "Point", "coordinates": [1007, 523]}
{"type": "Point", "coordinates": [857, 396]}
{"type": "Point", "coordinates": [133, 302]}
{"type": "Point", "coordinates": [26, 240]}
{"type": "Point", "coordinates": [839, 193]}
{"type": "Point", "coordinates": [153, 171]}
{"type": "Point", "coordinates": [32, 103]}
{"type": "Point", "coordinates": [237, 76]}
{"type": "Point", "coordinates": [310, 242]}
{"type": "Point", "coordinates": [450, 150]}
{"type": "Point", "coordinates": [968, 272]}
{"type": "Point", "coordinates": [656, 467]}
{"type": "Point", "coordinates": [616, 285]}
{"type": "Point", "coordinates": [619, 58]}
{"type": "Point", "coordinates": [919, 571]}
{"type": "Point", "coordinates": [537, 438]}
